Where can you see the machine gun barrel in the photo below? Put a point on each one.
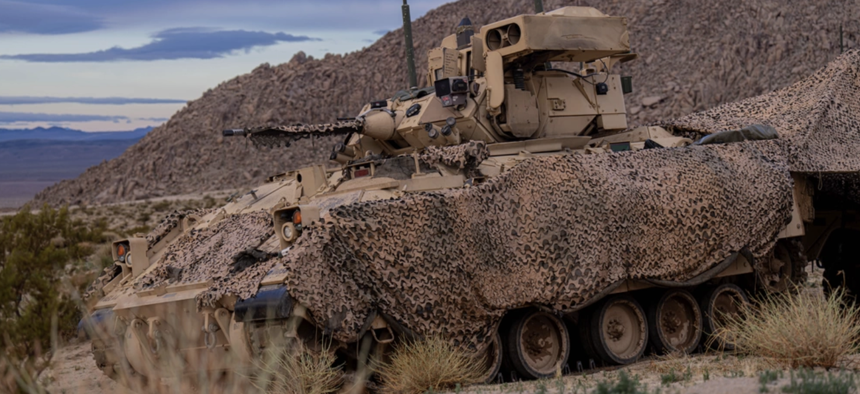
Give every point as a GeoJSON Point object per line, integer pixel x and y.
{"type": "Point", "coordinates": [277, 135]}
{"type": "Point", "coordinates": [235, 132]}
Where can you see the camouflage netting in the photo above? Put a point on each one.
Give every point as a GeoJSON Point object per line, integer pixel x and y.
{"type": "Point", "coordinates": [170, 221]}
{"type": "Point", "coordinates": [227, 254]}
{"type": "Point", "coordinates": [552, 231]}
{"type": "Point", "coordinates": [466, 156]}
{"type": "Point", "coordinates": [818, 119]}
{"type": "Point", "coordinates": [276, 136]}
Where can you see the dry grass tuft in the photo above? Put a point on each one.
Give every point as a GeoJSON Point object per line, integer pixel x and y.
{"type": "Point", "coordinates": [796, 329]}
{"type": "Point", "coordinates": [430, 364]}
{"type": "Point", "coordinates": [303, 373]}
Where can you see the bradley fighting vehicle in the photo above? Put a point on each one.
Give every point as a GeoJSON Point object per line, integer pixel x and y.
{"type": "Point", "coordinates": [529, 86]}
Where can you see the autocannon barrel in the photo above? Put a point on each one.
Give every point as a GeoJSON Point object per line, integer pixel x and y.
{"type": "Point", "coordinates": [278, 135]}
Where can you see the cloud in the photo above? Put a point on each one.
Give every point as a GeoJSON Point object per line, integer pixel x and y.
{"type": "Point", "coordinates": [17, 17]}
{"type": "Point", "coordinates": [272, 15]}
{"type": "Point", "coordinates": [18, 117]}
{"type": "Point", "coordinates": [381, 32]}
{"type": "Point", "coordinates": [171, 44]}
{"type": "Point", "coordinates": [18, 100]}
{"type": "Point", "coordinates": [160, 120]}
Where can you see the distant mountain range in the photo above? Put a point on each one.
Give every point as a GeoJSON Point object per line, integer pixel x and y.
{"type": "Point", "coordinates": [32, 159]}
{"type": "Point", "coordinates": [64, 134]}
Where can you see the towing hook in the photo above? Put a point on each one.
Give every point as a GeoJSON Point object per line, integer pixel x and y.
{"type": "Point", "coordinates": [154, 335]}
{"type": "Point", "coordinates": [209, 329]}
{"type": "Point", "coordinates": [156, 346]}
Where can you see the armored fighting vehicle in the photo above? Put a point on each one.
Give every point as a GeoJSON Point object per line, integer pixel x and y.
{"type": "Point", "coordinates": [506, 207]}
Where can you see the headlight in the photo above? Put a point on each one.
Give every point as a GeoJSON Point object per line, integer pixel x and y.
{"type": "Point", "coordinates": [121, 252]}
{"type": "Point", "coordinates": [289, 232]}
{"type": "Point", "coordinates": [131, 255]}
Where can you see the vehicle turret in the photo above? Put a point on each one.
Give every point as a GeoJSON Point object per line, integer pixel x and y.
{"type": "Point", "coordinates": [529, 77]}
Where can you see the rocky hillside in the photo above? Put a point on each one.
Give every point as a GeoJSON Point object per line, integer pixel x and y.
{"type": "Point", "coordinates": [694, 55]}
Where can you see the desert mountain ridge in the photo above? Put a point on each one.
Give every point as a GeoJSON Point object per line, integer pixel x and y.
{"type": "Point", "coordinates": [693, 56]}
{"type": "Point", "coordinates": [55, 133]}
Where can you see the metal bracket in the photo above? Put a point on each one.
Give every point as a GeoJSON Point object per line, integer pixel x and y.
{"type": "Point", "coordinates": [154, 334]}
{"type": "Point", "coordinates": [383, 109]}
{"type": "Point", "coordinates": [209, 329]}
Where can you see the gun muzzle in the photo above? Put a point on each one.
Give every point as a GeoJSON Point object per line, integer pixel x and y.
{"type": "Point", "coordinates": [232, 132]}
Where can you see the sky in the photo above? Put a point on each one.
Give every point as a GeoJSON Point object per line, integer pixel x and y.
{"type": "Point", "coordinates": [115, 65]}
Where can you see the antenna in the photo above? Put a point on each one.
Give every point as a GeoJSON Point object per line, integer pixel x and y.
{"type": "Point", "coordinates": [538, 10]}
{"type": "Point", "coordinates": [410, 49]}
{"type": "Point", "coordinates": [841, 46]}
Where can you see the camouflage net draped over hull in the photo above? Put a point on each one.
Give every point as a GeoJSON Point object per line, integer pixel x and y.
{"type": "Point", "coordinates": [818, 119]}
{"type": "Point", "coordinates": [552, 231]}
{"type": "Point", "coordinates": [226, 254]}
{"type": "Point", "coordinates": [171, 221]}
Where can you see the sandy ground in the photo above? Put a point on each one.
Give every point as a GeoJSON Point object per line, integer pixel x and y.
{"type": "Point", "coordinates": [74, 371]}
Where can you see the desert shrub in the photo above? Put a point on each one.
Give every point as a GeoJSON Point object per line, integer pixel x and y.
{"type": "Point", "coordinates": [673, 376]}
{"type": "Point", "coordinates": [796, 329]}
{"type": "Point", "coordinates": [34, 249]}
{"type": "Point", "coordinates": [624, 385]}
{"type": "Point", "coordinates": [283, 372]}
{"type": "Point", "coordinates": [806, 381]}
{"type": "Point", "coordinates": [430, 364]}
{"type": "Point", "coordinates": [161, 206]}
{"type": "Point", "coordinates": [209, 202]}
{"type": "Point", "coordinates": [143, 217]}
{"type": "Point", "coordinates": [103, 256]}
{"type": "Point", "coordinates": [767, 377]}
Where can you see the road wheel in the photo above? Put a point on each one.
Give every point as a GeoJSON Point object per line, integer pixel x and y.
{"type": "Point", "coordinates": [113, 363]}
{"type": "Point", "coordinates": [675, 322]}
{"type": "Point", "coordinates": [537, 345]}
{"type": "Point", "coordinates": [787, 266]}
{"type": "Point", "coordinates": [492, 359]}
{"type": "Point", "coordinates": [717, 304]}
{"type": "Point", "coordinates": [619, 332]}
